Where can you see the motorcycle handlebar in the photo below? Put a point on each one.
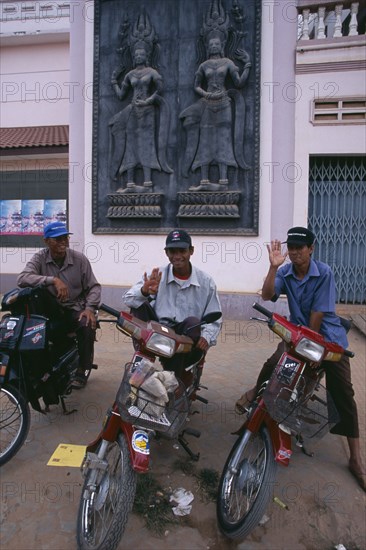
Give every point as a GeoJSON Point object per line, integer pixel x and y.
{"type": "Point", "coordinates": [263, 310]}
{"type": "Point", "coordinates": [269, 314]}
{"type": "Point", "coordinates": [110, 310]}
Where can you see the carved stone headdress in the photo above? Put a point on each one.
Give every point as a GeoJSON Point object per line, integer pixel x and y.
{"type": "Point", "coordinates": [143, 36]}
{"type": "Point", "coordinates": [215, 23]}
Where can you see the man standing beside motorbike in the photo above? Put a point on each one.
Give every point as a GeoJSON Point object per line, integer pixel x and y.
{"type": "Point", "coordinates": [72, 291]}
{"type": "Point", "coordinates": [178, 295]}
{"type": "Point", "coordinates": [310, 289]}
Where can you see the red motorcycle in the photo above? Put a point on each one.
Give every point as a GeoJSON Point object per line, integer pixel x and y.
{"type": "Point", "coordinates": [292, 402]}
{"type": "Point", "coordinates": [149, 400]}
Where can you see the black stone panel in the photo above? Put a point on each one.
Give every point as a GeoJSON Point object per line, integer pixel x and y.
{"type": "Point", "coordinates": [176, 43]}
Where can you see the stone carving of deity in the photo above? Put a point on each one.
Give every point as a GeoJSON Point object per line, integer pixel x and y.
{"type": "Point", "coordinates": [134, 141]}
{"type": "Point", "coordinates": [215, 123]}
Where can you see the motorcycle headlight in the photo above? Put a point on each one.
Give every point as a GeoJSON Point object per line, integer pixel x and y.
{"type": "Point", "coordinates": [160, 344]}
{"type": "Point", "coordinates": [310, 350]}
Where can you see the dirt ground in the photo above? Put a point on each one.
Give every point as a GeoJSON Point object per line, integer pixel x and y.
{"type": "Point", "coordinates": [326, 507]}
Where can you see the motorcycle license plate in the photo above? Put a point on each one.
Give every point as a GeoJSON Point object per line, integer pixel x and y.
{"type": "Point", "coordinates": [287, 368]}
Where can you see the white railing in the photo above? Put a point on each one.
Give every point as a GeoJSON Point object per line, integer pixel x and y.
{"type": "Point", "coordinates": [327, 19]}
{"type": "Point", "coordinates": [37, 10]}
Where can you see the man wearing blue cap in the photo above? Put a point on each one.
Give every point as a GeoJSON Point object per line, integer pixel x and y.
{"type": "Point", "coordinates": [67, 276]}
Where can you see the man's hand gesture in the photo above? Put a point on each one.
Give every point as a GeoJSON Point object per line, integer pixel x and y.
{"type": "Point", "coordinates": [151, 282]}
{"type": "Point", "coordinates": [276, 257]}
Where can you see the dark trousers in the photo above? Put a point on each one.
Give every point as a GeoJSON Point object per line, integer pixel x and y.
{"type": "Point", "coordinates": [180, 361]}
{"type": "Point", "coordinates": [339, 385]}
{"type": "Point", "coordinates": [85, 336]}
{"type": "Point", "coordinates": [65, 321]}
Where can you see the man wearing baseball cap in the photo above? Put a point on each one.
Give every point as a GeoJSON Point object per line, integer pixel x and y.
{"type": "Point", "coordinates": [310, 289]}
{"type": "Point", "coordinates": [69, 281]}
{"type": "Point", "coordinates": [178, 295]}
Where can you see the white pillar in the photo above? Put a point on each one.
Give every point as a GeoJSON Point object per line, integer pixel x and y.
{"type": "Point", "coordinates": [285, 95]}
{"type": "Point", "coordinates": [321, 25]}
{"type": "Point", "coordinates": [353, 23]}
{"type": "Point", "coordinates": [305, 25]}
{"type": "Point", "coordinates": [80, 180]}
{"type": "Point", "coordinates": [338, 22]}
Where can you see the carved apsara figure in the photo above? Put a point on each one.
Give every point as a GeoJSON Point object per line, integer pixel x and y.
{"type": "Point", "coordinates": [134, 139]}
{"type": "Point", "coordinates": [215, 124]}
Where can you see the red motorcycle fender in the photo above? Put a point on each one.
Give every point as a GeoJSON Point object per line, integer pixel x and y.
{"type": "Point", "coordinates": [137, 439]}
{"type": "Point", "coordinates": [139, 446]}
{"type": "Point", "coordinates": [281, 442]}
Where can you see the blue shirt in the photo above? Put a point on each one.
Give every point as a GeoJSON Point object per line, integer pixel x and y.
{"type": "Point", "coordinates": [315, 292]}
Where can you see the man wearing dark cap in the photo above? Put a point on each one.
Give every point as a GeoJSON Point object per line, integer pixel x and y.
{"type": "Point", "coordinates": [177, 294]}
{"type": "Point", "coordinates": [310, 289]}
{"type": "Point", "coordinates": [69, 281]}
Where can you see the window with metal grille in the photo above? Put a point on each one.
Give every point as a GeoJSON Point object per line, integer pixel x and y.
{"type": "Point", "coordinates": [339, 111]}
{"type": "Point", "coordinates": [337, 215]}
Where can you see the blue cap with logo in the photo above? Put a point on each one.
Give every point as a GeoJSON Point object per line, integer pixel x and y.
{"type": "Point", "coordinates": [55, 229]}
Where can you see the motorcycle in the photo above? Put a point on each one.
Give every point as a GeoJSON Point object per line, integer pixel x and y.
{"type": "Point", "coordinates": [140, 411]}
{"type": "Point", "coordinates": [38, 359]}
{"type": "Point", "coordinates": [293, 402]}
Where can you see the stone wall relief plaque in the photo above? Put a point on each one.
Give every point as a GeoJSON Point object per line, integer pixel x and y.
{"type": "Point", "coordinates": [176, 116]}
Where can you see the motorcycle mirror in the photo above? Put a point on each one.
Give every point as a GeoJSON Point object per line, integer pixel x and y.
{"type": "Point", "coordinates": [211, 317]}
{"type": "Point", "coordinates": [206, 319]}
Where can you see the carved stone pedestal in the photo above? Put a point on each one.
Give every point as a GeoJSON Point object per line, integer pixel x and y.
{"type": "Point", "coordinates": [135, 205]}
{"type": "Point", "coordinates": [209, 204]}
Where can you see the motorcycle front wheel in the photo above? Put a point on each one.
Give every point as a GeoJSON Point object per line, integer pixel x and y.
{"type": "Point", "coordinates": [14, 422]}
{"type": "Point", "coordinates": [244, 490]}
{"type": "Point", "coordinates": [107, 499]}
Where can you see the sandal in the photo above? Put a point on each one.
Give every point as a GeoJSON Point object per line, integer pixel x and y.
{"type": "Point", "coordinates": [359, 477]}
{"type": "Point", "coordinates": [242, 404]}
{"type": "Point", "coordinates": [79, 381]}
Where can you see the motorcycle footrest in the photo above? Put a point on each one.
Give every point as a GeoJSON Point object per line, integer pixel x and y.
{"type": "Point", "coordinates": [191, 431]}
{"type": "Point", "coordinates": [94, 366]}
{"type": "Point", "coordinates": [202, 399]}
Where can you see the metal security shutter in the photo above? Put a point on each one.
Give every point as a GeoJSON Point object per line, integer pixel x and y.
{"type": "Point", "coordinates": [337, 215]}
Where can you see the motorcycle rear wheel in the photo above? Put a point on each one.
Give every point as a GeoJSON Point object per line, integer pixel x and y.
{"type": "Point", "coordinates": [243, 495]}
{"type": "Point", "coordinates": [106, 502]}
{"type": "Point", "coordinates": [14, 422]}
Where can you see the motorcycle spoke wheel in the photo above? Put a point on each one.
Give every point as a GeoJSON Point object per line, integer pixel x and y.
{"type": "Point", "coordinates": [244, 491]}
{"type": "Point", "coordinates": [14, 422]}
{"type": "Point", "coordinates": [106, 500]}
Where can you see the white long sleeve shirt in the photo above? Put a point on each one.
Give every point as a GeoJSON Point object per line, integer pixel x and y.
{"type": "Point", "coordinates": [177, 300]}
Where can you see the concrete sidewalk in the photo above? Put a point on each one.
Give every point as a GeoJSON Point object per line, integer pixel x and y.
{"type": "Point", "coordinates": [326, 507]}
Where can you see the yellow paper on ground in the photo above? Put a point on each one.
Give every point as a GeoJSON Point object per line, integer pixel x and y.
{"type": "Point", "coordinates": [68, 455]}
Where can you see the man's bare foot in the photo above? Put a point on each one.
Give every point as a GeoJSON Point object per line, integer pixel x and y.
{"type": "Point", "coordinates": [358, 473]}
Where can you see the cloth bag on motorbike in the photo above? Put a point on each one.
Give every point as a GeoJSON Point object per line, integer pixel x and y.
{"type": "Point", "coordinates": [152, 396]}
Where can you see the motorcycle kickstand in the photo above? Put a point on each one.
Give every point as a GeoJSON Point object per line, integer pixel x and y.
{"type": "Point", "coordinates": [300, 443]}
{"type": "Point", "coordinates": [64, 409]}
{"type": "Point", "coordinates": [184, 443]}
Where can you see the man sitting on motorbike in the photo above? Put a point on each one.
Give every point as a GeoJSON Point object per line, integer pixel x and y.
{"type": "Point", "coordinates": [310, 289]}
{"type": "Point", "coordinates": [178, 295]}
{"type": "Point", "coordinates": [72, 291]}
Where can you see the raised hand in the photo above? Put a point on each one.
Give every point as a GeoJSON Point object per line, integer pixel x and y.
{"type": "Point", "coordinates": [276, 257]}
{"type": "Point", "coordinates": [151, 282]}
